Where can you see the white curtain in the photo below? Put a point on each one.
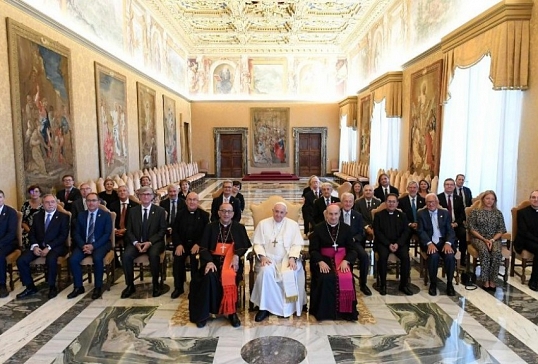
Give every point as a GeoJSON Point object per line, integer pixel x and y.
{"type": "Point", "coordinates": [348, 142]}
{"type": "Point", "coordinates": [384, 141]}
{"type": "Point", "coordinates": [480, 136]}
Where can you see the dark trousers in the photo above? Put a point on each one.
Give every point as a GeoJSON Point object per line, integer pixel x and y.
{"type": "Point", "coordinates": [98, 256]}
{"type": "Point", "coordinates": [364, 263]}
{"type": "Point", "coordinates": [5, 250]}
{"type": "Point", "coordinates": [461, 235]}
{"type": "Point", "coordinates": [179, 270]}
{"type": "Point", "coordinates": [51, 260]}
{"type": "Point", "coordinates": [402, 253]}
{"type": "Point", "coordinates": [131, 253]}
{"type": "Point", "coordinates": [433, 264]}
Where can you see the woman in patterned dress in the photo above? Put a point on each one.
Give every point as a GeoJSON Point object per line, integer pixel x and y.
{"type": "Point", "coordinates": [29, 209]}
{"type": "Point", "coordinates": [486, 225]}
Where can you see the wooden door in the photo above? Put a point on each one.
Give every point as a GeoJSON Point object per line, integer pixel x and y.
{"type": "Point", "coordinates": [309, 154]}
{"type": "Point", "coordinates": [231, 156]}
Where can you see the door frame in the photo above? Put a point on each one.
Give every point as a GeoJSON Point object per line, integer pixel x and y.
{"type": "Point", "coordinates": [323, 132]}
{"type": "Point", "coordinates": [217, 132]}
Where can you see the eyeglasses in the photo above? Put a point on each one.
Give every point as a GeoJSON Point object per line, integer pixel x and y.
{"type": "Point", "coordinates": [92, 200]}
{"type": "Point", "coordinates": [391, 201]}
{"type": "Point", "coordinates": [146, 194]}
{"type": "Point", "coordinates": [227, 211]}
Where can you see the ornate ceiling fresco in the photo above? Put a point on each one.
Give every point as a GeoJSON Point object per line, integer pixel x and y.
{"type": "Point", "coordinates": [268, 26]}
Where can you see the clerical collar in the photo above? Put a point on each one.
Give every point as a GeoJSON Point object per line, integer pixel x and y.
{"type": "Point", "coordinates": [335, 225]}
{"type": "Point", "coordinates": [191, 212]}
{"type": "Point", "coordinates": [224, 226]}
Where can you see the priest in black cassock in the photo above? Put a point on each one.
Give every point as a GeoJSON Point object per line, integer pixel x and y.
{"type": "Point", "coordinates": [214, 289]}
{"type": "Point", "coordinates": [332, 252]}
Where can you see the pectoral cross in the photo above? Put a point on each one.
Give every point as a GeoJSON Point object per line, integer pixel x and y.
{"type": "Point", "coordinates": [223, 248]}
{"type": "Point", "coordinates": [335, 246]}
{"type": "Point", "coordinates": [274, 243]}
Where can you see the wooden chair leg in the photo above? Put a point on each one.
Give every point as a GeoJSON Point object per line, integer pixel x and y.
{"type": "Point", "coordinates": [512, 265]}
{"type": "Point", "coordinates": [523, 267]}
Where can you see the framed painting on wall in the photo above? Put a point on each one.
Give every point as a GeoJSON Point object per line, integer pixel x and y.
{"type": "Point", "coordinates": [147, 127]}
{"type": "Point", "coordinates": [268, 76]}
{"type": "Point", "coordinates": [270, 144]}
{"type": "Point", "coordinates": [41, 100]}
{"type": "Point", "coordinates": [112, 121]}
{"type": "Point", "coordinates": [170, 131]}
{"type": "Point", "coordinates": [425, 120]}
{"type": "Point", "coordinates": [365, 128]}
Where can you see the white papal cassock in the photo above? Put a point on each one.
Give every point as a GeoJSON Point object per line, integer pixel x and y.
{"type": "Point", "coordinates": [278, 289]}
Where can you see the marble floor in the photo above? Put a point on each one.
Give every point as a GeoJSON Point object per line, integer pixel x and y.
{"type": "Point", "coordinates": [472, 327]}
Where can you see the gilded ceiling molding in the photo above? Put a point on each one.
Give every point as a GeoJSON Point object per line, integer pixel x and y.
{"type": "Point", "coordinates": [348, 107]}
{"type": "Point", "coordinates": [502, 32]}
{"type": "Point", "coordinates": [389, 87]}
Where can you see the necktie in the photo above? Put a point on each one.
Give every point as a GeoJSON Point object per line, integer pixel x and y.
{"type": "Point", "coordinates": [414, 208]}
{"type": "Point", "coordinates": [436, 233]}
{"type": "Point", "coordinates": [346, 218]}
{"type": "Point", "coordinates": [328, 201]}
{"type": "Point", "coordinates": [47, 221]}
{"type": "Point", "coordinates": [226, 200]}
{"type": "Point", "coordinates": [91, 228]}
{"type": "Point", "coordinates": [66, 195]}
{"type": "Point", "coordinates": [173, 212]}
{"type": "Point", "coordinates": [450, 206]}
{"type": "Point", "coordinates": [368, 205]}
{"type": "Point", "coordinates": [123, 215]}
{"type": "Point", "coordinates": [462, 195]}
{"type": "Point", "coordinates": [386, 192]}
{"type": "Point", "coordinates": [145, 225]}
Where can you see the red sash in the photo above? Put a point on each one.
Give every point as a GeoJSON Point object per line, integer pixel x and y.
{"type": "Point", "coordinates": [344, 290]}
{"type": "Point", "coordinates": [229, 298]}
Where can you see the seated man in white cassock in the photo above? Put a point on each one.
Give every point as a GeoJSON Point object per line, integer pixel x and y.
{"type": "Point", "coordinates": [280, 281]}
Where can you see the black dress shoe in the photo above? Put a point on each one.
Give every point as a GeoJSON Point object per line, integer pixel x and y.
{"type": "Point", "coordinates": [201, 324]}
{"type": "Point", "coordinates": [432, 291]}
{"type": "Point", "coordinates": [128, 291]}
{"type": "Point", "coordinates": [366, 290]}
{"type": "Point", "coordinates": [53, 292]}
{"type": "Point", "coordinates": [261, 315]}
{"type": "Point", "coordinates": [234, 320]}
{"type": "Point", "coordinates": [176, 293]}
{"type": "Point", "coordinates": [97, 292]}
{"type": "Point", "coordinates": [29, 291]}
{"type": "Point", "coordinates": [3, 291]}
{"type": "Point", "coordinates": [156, 290]}
{"type": "Point", "coordinates": [76, 292]}
{"type": "Point", "coordinates": [450, 290]}
{"type": "Point", "coordinates": [533, 285]}
{"type": "Point", "coordinates": [406, 290]}
{"type": "Point", "coordinates": [383, 290]}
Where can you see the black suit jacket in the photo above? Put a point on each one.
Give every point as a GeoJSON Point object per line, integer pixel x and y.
{"type": "Point", "coordinates": [378, 192]}
{"type": "Point", "coordinates": [186, 232]}
{"type": "Point", "coordinates": [308, 205]}
{"type": "Point", "coordinates": [55, 236]}
{"type": "Point", "coordinates": [356, 225]}
{"type": "Point", "coordinates": [320, 238]}
{"type": "Point", "coordinates": [468, 195]}
{"type": "Point", "coordinates": [459, 209]}
{"type": "Point", "coordinates": [425, 227]}
{"type": "Point", "coordinates": [74, 195]}
{"type": "Point", "coordinates": [527, 229]}
{"type": "Point", "coordinates": [360, 206]}
{"type": "Point", "coordinates": [320, 206]}
{"type": "Point", "coordinates": [102, 229]}
{"type": "Point", "coordinates": [157, 225]}
{"type": "Point", "coordinates": [8, 227]}
{"type": "Point", "coordinates": [165, 204]}
{"type": "Point", "coordinates": [211, 234]}
{"type": "Point", "coordinates": [215, 205]}
{"type": "Point", "coordinates": [404, 204]}
{"type": "Point", "coordinates": [386, 232]}
{"type": "Point", "coordinates": [115, 206]}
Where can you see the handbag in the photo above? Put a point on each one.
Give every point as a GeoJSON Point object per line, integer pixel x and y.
{"type": "Point", "coordinates": [468, 279]}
